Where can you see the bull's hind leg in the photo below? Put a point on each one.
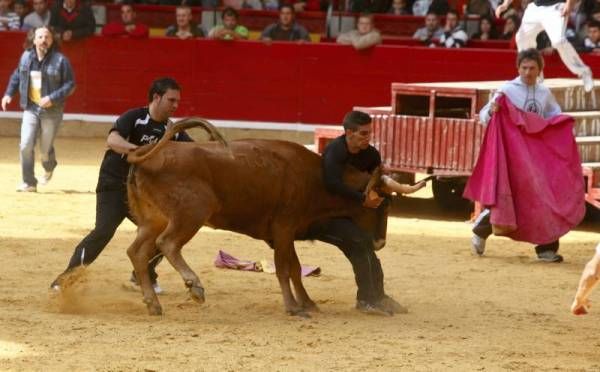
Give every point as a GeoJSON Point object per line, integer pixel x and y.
{"type": "Point", "coordinates": [139, 253]}
{"type": "Point", "coordinates": [176, 235]}
{"type": "Point", "coordinates": [284, 248]}
{"type": "Point", "coordinates": [302, 297]}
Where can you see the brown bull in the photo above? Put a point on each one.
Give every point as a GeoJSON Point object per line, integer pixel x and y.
{"type": "Point", "coordinates": [269, 190]}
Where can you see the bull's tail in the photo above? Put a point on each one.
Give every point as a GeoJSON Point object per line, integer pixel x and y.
{"type": "Point", "coordinates": [132, 199]}
{"type": "Point", "coordinates": [172, 129]}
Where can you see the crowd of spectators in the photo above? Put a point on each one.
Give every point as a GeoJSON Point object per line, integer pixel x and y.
{"type": "Point", "coordinates": [443, 25]}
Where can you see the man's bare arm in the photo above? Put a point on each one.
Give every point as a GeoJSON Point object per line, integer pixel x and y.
{"type": "Point", "coordinates": [119, 144]}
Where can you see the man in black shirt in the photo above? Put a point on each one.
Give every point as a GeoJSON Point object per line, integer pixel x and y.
{"type": "Point", "coordinates": [136, 127]}
{"type": "Point", "coordinates": [353, 148]}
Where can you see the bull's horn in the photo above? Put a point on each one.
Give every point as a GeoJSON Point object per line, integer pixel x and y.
{"type": "Point", "coordinates": [173, 129]}
{"type": "Point", "coordinates": [389, 186]}
{"type": "Point", "coordinates": [193, 122]}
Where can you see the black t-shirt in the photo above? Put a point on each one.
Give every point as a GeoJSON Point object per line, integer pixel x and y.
{"type": "Point", "coordinates": [335, 158]}
{"type": "Point", "coordinates": [547, 2]}
{"type": "Point", "coordinates": [137, 127]}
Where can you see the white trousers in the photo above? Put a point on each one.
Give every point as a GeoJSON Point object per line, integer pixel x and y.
{"type": "Point", "coordinates": [548, 18]}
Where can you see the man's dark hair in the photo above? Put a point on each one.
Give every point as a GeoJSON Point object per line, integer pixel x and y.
{"type": "Point", "coordinates": [593, 24]}
{"type": "Point", "coordinates": [531, 54]}
{"type": "Point", "coordinates": [160, 87]}
{"type": "Point", "coordinates": [28, 43]}
{"type": "Point", "coordinates": [355, 119]}
{"type": "Point", "coordinates": [452, 11]}
{"type": "Point", "coordinates": [286, 5]}
{"type": "Point", "coordinates": [230, 12]}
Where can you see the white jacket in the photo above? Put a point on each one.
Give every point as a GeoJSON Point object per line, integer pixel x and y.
{"type": "Point", "coordinates": [535, 98]}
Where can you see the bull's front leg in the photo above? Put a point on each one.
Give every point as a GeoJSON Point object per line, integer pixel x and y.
{"type": "Point", "coordinates": [139, 254]}
{"type": "Point", "coordinates": [304, 300]}
{"type": "Point", "coordinates": [284, 247]}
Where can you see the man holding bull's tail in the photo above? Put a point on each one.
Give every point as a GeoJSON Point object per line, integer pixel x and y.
{"type": "Point", "coordinates": [136, 127]}
{"type": "Point", "coordinates": [353, 148]}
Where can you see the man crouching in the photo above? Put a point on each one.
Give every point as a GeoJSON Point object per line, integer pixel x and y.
{"type": "Point", "coordinates": [353, 148]}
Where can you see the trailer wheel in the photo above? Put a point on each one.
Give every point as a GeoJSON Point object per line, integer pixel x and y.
{"type": "Point", "coordinates": [448, 193]}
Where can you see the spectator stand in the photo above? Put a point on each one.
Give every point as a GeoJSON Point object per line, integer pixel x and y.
{"type": "Point", "coordinates": [158, 17]}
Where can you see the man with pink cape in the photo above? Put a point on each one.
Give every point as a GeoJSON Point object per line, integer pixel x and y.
{"type": "Point", "coordinates": [528, 175]}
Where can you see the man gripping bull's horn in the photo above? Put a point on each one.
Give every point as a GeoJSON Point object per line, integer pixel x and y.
{"type": "Point", "coordinates": [353, 148]}
{"type": "Point", "coordinates": [135, 128]}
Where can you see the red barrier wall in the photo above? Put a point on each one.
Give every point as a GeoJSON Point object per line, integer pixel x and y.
{"type": "Point", "coordinates": [287, 82]}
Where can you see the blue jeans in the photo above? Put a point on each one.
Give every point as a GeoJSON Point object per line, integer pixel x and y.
{"type": "Point", "coordinates": [46, 123]}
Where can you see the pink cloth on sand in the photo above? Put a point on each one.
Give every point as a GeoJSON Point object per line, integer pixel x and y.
{"type": "Point", "coordinates": [226, 261]}
{"type": "Point", "coordinates": [529, 174]}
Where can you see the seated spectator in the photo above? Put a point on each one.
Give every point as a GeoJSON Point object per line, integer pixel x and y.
{"type": "Point", "coordinates": [22, 9]}
{"type": "Point", "coordinates": [127, 27]}
{"type": "Point", "coordinates": [365, 35]}
{"type": "Point", "coordinates": [439, 7]}
{"type": "Point", "coordinates": [481, 8]}
{"type": "Point", "coordinates": [454, 36]}
{"type": "Point", "coordinates": [39, 17]}
{"type": "Point", "coordinates": [286, 29]}
{"type": "Point", "coordinates": [487, 29]}
{"type": "Point", "coordinates": [591, 43]}
{"type": "Point", "coordinates": [8, 20]}
{"type": "Point", "coordinates": [185, 28]}
{"type": "Point", "coordinates": [432, 29]}
{"type": "Point", "coordinates": [595, 14]}
{"type": "Point", "coordinates": [510, 27]}
{"type": "Point", "coordinates": [399, 7]}
{"type": "Point", "coordinates": [72, 19]}
{"type": "Point", "coordinates": [230, 29]}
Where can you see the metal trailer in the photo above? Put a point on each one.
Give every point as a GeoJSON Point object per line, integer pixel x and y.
{"type": "Point", "coordinates": [433, 128]}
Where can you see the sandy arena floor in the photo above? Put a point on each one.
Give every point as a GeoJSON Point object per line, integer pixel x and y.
{"type": "Point", "coordinates": [505, 311]}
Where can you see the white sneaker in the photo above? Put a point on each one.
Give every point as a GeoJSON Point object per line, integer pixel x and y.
{"type": "Point", "coordinates": [477, 245]}
{"type": "Point", "coordinates": [26, 188]}
{"type": "Point", "coordinates": [46, 177]}
{"type": "Point", "coordinates": [588, 80]}
{"type": "Point", "coordinates": [133, 284]}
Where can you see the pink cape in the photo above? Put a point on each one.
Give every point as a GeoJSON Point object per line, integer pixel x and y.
{"type": "Point", "coordinates": [226, 261]}
{"type": "Point", "coordinates": [529, 175]}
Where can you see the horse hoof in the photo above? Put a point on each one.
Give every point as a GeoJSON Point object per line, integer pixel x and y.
{"type": "Point", "coordinates": [197, 294]}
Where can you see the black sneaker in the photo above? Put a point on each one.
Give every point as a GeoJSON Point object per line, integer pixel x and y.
{"type": "Point", "coordinates": [550, 256]}
{"type": "Point", "coordinates": [372, 308]}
